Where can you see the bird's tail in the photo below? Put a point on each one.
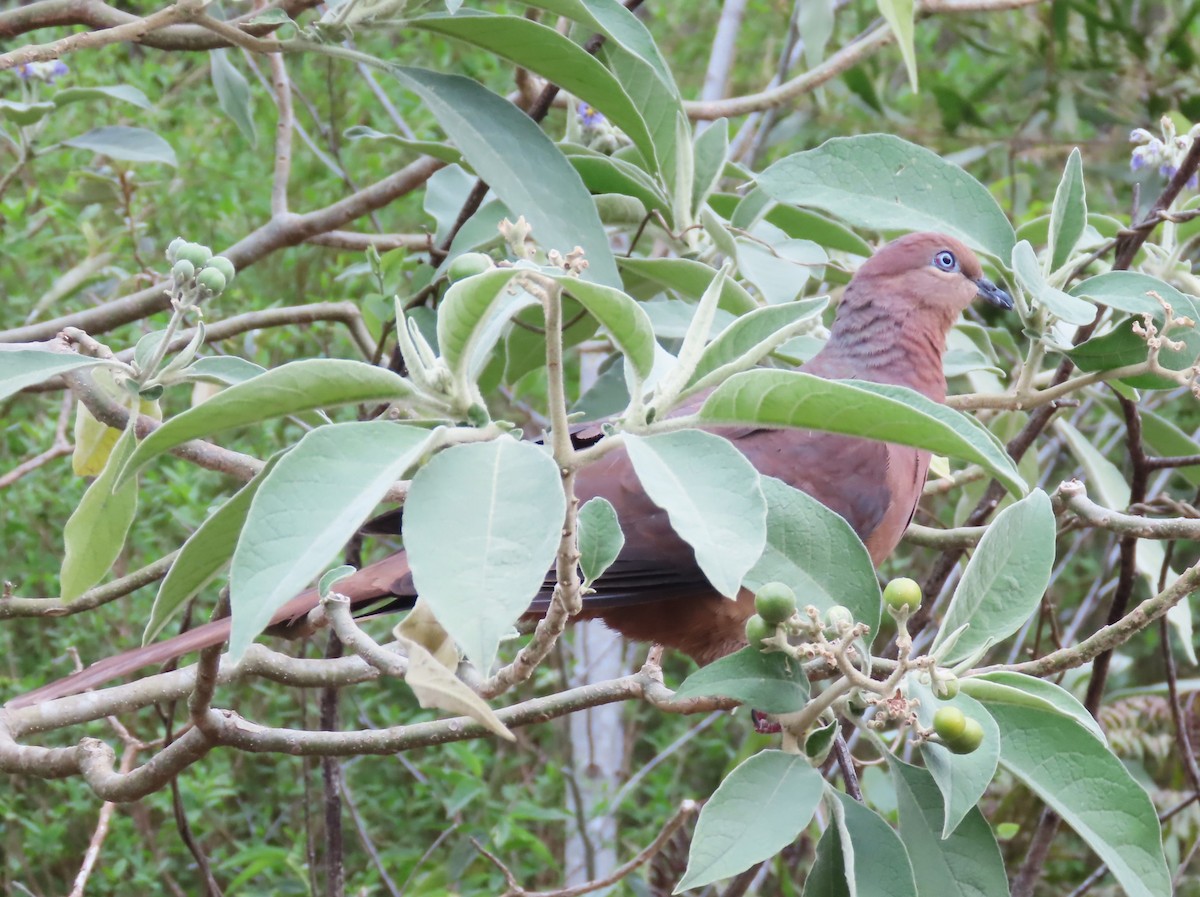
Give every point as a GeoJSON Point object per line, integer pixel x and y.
{"type": "Point", "coordinates": [389, 577]}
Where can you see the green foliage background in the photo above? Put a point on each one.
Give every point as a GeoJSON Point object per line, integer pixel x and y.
{"type": "Point", "coordinates": [1007, 95]}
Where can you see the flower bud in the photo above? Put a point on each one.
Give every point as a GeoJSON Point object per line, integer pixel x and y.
{"type": "Point", "coordinates": [224, 265]}
{"type": "Point", "coordinates": [211, 279]}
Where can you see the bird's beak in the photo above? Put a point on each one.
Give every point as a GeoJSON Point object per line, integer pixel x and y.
{"type": "Point", "coordinates": [993, 294]}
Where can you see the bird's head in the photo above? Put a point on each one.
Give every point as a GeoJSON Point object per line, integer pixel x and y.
{"type": "Point", "coordinates": [933, 270]}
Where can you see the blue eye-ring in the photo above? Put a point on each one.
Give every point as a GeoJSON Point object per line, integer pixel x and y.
{"type": "Point", "coordinates": [945, 260]}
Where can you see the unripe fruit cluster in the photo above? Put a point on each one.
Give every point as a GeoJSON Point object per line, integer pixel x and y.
{"type": "Point", "coordinates": [212, 273]}
{"type": "Point", "coordinates": [958, 732]}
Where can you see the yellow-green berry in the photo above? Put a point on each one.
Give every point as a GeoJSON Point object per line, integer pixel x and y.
{"type": "Point", "coordinates": [468, 265]}
{"type": "Point", "coordinates": [194, 253]}
{"type": "Point", "coordinates": [949, 723]}
{"type": "Point", "coordinates": [224, 265]}
{"type": "Point", "coordinates": [902, 592]}
{"type": "Point", "coordinates": [970, 739]}
{"type": "Point", "coordinates": [775, 602]}
{"type": "Point", "coordinates": [945, 686]}
{"type": "Point", "coordinates": [211, 279]}
{"type": "Point", "coordinates": [758, 629]}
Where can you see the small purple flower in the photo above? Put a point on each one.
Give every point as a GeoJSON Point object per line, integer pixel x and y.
{"type": "Point", "coordinates": [42, 71]}
{"type": "Point", "coordinates": [589, 116]}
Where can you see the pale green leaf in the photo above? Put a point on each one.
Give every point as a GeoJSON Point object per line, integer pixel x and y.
{"type": "Point", "coordinates": [962, 778]}
{"type": "Point", "coordinates": [708, 154]}
{"type": "Point", "coordinates": [95, 532]}
{"type": "Point", "coordinates": [758, 810]}
{"type": "Point", "coordinates": [504, 146]}
{"type": "Point", "coordinates": [600, 538]}
{"type": "Point", "coordinates": [1005, 578]}
{"type": "Point", "coordinates": [1063, 306]}
{"type": "Point", "coordinates": [1082, 781]}
{"type": "Point", "coordinates": [885, 183]}
{"type": "Point", "coordinates": [288, 389]}
{"type": "Point", "coordinates": [233, 94]}
{"type": "Point", "coordinates": [817, 553]}
{"type": "Point", "coordinates": [965, 864]}
{"type": "Point", "coordinates": [857, 408]}
{"type": "Point", "coordinates": [482, 524]}
{"type": "Point", "coordinates": [899, 15]}
{"type": "Point", "coordinates": [781, 270]}
{"type": "Point", "coordinates": [126, 93]}
{"type": "Point", "coordinates": [306, 508]}
{"type": "Point", "coordinates": [752, 337]}
{"type": "Point", "coordinates": [21, 367]}
{"type": "Point", "coordinates": [554, 57]}
{"type": "Point", "coordinates": [712, 496]}
{"type": "Point", "coordinates": [690, 279]}
{"type": "Point", "coordinates": [471, 317]}
{"type": "Point", "coordinates": [202, 557]}
{"type": "Point", "coordinates": [625, 320]}
{"type": "Point", "coordinates": [770, 682]}
{"type": "Point", "coordinates": [125, 143]}
{"type": "Point", "coordinates": [873, 857]}
{"type": "Point", "coordinates": [1068, 215]}
{"type": "Point", "coordinates": [1017, 688]}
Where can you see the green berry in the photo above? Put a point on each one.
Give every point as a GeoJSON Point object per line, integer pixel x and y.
{"type": "Point", "coordinates": [758, 629]}
{"type": "Point", "coordinates": [970, 739]}
{"type": "Point", "coordinates": [902, 592]}
{"type": "Point", "coordinates": [949, 723]}
{"type": "Point", "coordinates": [194, 253]}
{"type": "Point", "coordinates": [173, 249]}
{"type": "Point", "coordinates": [183, 271]}
{"type": "Point", "coordinates": [775, 602]}
{"type": "Point", "coordinates": [838, 618]}
{"type": "Point", "coordinates": [212, 279]}
{"type": "Point", "coordinates": [224, 265]}
{"type": "Point", "coordinates": [468, 265]}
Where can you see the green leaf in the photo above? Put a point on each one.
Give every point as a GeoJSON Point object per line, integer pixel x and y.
{"type": "Point", "coordinates": [885, 183]}
{"type": "Point", "coordinates": [305, 509]}
{"type": "Point", "coordinates": [772, 683]}
{"type": "Point", "coordinates": [781, 270]}
{"type": "Point", "coordinates": [434, 148]}
{"type": "Point", "coordinates": [288, 389]}
{"type": "Point", "coordinates": [899, 15]}
{"type": "Point", "coordinates": [817, 553]}
{"type": "Point", "coordinates": [24, 114]}
{"type": "Point", "coordinates": [1063, 306]}
{"type": "Point", "coordinates": [712, 496]}
{"type": "Point", "coordinates": [1130, 291]}
{"type": "Point", "coordinates": [1068, 215]}
{"type": "Point", "coordinates": [504, 145]}
{"type": "Point", "coordinates": [690, 278]}
{"type": "Point", "coordinates": [873, 857]}
{"type": "Point", "coordinates": [1005, 578]}
{"type": "Point", "coordinates": [708, 155]}
{"type": "Point", "coordinates": [22, 367]}
{"type": "Point", "coordinates": [604, 174]}
{"type": "Point", "coordinates": [962, 778]}
{"type": "Point", "coordinates": [551, 55]}
{"type": "Point", "coordinates": [203, 556]}
{"type": "Point", "coordinates": [752, 337]}
{"type": "Point", "coordinates": [126, 144]}
{"type": "Point", "coordinates": [1082, 781]}
{"type": "Point", "coordinates": [233, 94]}
{"type": "Point", "coordinates": [758, 810]}
{"type": "Point", "coordinates": [482, 525]}
{"type": "Point", "coordinates": [600, 538]}
{"type": "Point", "coordinates": [95, 532]}
{"type": "Point", "coordinates": [126, 93]}
{"type": "Point", "coordinates": [857, 408]}
{"type": "Point", "coordinates": [623, 318]}
{"type": "Point", "coordinates": [827, 878]}
{"type": "Point", "coordinates": [1017, 688]}
{"type": "Point", "coordinates": [471, 317]}
{"type": "Point", "coordinates": [967, 863]}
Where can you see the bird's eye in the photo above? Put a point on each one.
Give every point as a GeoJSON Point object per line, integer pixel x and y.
{"type": "Point", "coordinates": [946, 260]}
